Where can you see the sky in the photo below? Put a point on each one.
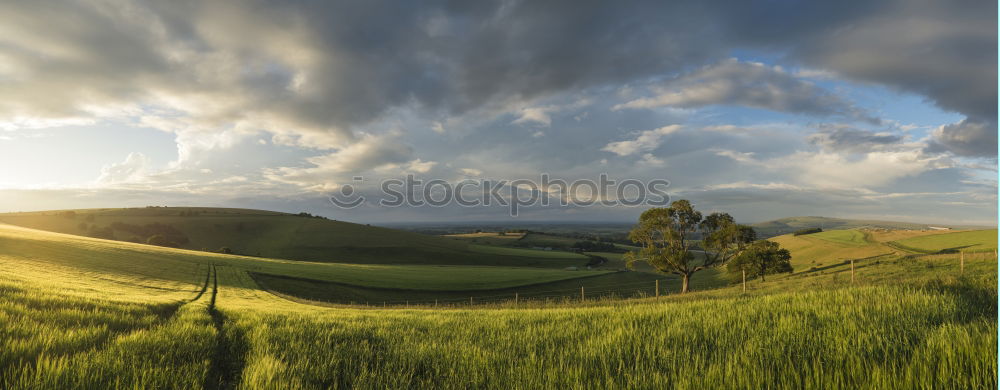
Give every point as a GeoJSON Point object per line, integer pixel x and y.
{"type": "Point", "coordinates": [763, 109]}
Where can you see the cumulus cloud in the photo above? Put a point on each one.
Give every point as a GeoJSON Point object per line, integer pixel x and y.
{"type": "Point", "coordinates": [966, 138]}
{"type": "Point", "coordinates": [750, 84]}
{"type": "Point", "coordinates": [133, 169]}
{"type": "Point", "coordinates": [646, 140]}
{"type": "Point", "coordinates": [371, 153]}
{"type": "Point", "coordinates": [834, 170]}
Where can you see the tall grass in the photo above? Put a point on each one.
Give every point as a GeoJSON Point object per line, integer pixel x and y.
{"type": "Point", "coordinates": [56, 340]}
{"type": "Point", "coordinates": [192, 321]}
{"type": "Point", "coordinates": [869, 337]}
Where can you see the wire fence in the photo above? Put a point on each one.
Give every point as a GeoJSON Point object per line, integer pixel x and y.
{"type": "Point", "coordinates": [615, 291]}
{"type": "Point", "coordinates": [605, 292]}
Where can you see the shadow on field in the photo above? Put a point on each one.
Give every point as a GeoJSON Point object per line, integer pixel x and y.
{"type": "Point", "coordinates": [230, 347]}
{"type": "Point", "coordinates": [619, 284]}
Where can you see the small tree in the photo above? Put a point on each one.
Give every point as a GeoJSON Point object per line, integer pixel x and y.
{"type": "Point", "coordinates": [664, 234]}
{"type": "Point", "coordinates": [761, 258]}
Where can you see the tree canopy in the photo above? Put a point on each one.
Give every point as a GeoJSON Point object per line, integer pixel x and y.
{"type": "Point", "coordinates": [665, 235]}
{"type": "Point", "coordinates": [761, 258]}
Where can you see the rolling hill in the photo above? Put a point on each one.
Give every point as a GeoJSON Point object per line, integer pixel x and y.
{"type": "Point", "coordinates": [80, 312]}
{"type": "Point", "coordinates": [279, 235]}
{"type": "Point", "coordinates": [781, 226]}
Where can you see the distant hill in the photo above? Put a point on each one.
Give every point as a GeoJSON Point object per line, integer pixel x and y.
{"type": "Point", "coordinates": [788, 225]}
{"type": "Point", "coordinates": [274, 235]}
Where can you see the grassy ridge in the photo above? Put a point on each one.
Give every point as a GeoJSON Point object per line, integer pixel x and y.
{"type": "Point", "coordinates": [846, 237]}
{"type": "Point", "coordinates": [968, 241]}
{"type": "Point", "coordinates": [791, 224]}
{"type": "Point", "coordinates": [286, 236]}
{"type": "Point", "coordinates": [111, 259]}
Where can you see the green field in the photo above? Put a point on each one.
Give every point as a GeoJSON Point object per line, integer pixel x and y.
{"type": "Point", "coordinates": [968, 241]}
{"type": "Point", "coordinates": [78, 312]}
{"type": "Point", "coordinates": [789, 225]}
{"type": "Point", "coordinates": [507, 251]}
{"type": "Point", "coordinates": [287, 236]}
{"type": "Point", "coordinates": [846, 237]}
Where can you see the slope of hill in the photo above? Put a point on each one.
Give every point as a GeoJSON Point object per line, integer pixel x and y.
{"type": "Point", "coordinates": [781, 226]}
{"type": "Point", "coordinates": [277, 235]}
{"type": "Point", "coordinates": [962, 241]}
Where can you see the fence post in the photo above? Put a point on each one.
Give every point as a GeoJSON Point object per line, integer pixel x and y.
{"type": "Point", "coordinates": [515, 299]}
{"type": "Point", "coordinates": [744, 280]}
{"type": "Point", "coordinates": [961, 263]}
{"type": "Point", "coordinates": [582, 296]}
{"type": "Point", "coordinates": [852, 271]}
{"type": "Point", "coordinates": [657, 288]}
{"type": "Point", "coordinates": [435, 303]}
{"type": "Point", "coordinates": [470, 301]}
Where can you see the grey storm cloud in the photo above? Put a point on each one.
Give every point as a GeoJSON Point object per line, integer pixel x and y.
{"type": "Point", "coordinates": [850, 139]}
{"type": "Point", "coordinates": [750, 84]}
{"type": "Point", "coordinates": [966, 138]}
{"type": "Point", "coordinates": [316, 70]}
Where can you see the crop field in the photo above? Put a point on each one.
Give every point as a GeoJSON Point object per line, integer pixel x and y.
{"type": "Point", "coordinates": [77, 312]}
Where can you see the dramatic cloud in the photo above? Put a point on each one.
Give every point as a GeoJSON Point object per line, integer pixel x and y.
{"type": "Point", "coordinates": [966, 138]}
{"type": "Point", "coordinates": [748, 84]}
{"type": "Point", "coordinates": [280, 99]}
{"type": "Point", "coordinates": [370, 153]}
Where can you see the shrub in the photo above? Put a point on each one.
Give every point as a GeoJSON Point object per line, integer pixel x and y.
{"type": "Point", "coordinates": [595, 246]}
{"type": "Point", "coordinates": [807, 231]}
{"type": "Point", "coordinates": [98, 232]}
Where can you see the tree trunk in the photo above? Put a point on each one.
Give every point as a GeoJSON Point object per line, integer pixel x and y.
{"type": "Point", "coordinates": [685, 278]}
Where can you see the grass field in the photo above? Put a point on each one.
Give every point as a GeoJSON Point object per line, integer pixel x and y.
{"type": "Point", "coordinates": [84, 313]}
{"type": "Point", "coordinates": [789, 225]}
{"type": "Point", "coordinates": [507, 251]}
{"type": "Point", "coordinates": [968, 241]}
{"type": "Point", "coordinates": [286, 236]}
{"type": "Point", "coordinates": [846, 237]}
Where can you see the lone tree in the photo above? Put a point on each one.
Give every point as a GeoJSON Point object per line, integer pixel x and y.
{"type": "Point", "coordinates": [665, 236]}
{"type": "Point", "coordinates": [761, 258]}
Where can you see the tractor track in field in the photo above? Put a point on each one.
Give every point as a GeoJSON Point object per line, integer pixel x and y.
{"type": "Point", "coordinates": [204, 287]}
{"type": "Point", "coordinates": [229, 358]}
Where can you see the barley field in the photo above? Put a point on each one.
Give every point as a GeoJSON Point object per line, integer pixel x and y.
{"type": "Point", "coordinates": [179, 320]}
